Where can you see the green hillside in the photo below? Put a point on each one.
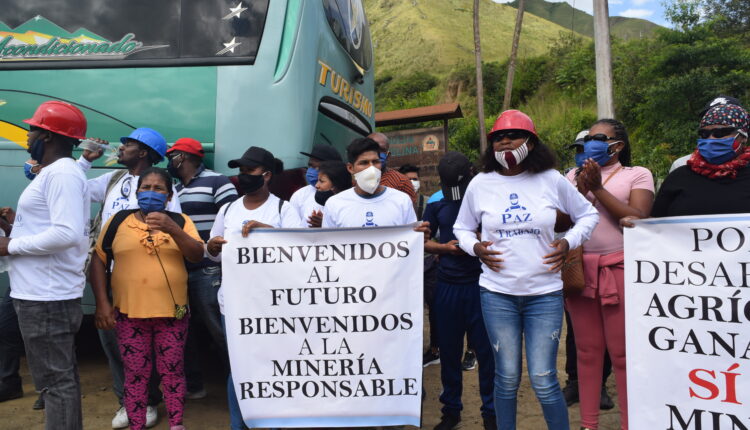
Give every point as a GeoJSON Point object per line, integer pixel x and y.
{"type": "Point", "coordinates": [436, 35]}
{"type": "Point", "coordinates": [565, 15]}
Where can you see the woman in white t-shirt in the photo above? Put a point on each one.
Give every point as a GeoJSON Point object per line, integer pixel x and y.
{"type": "Point", "coordinates": [258, 208]}
{"type": "Point", "coordinates": [514, 204]}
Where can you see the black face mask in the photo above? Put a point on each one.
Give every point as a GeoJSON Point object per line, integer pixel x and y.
{"type": "Point", "coordinates": [250, 183]}
{"type": "Point", "coordinates": [321, 197]}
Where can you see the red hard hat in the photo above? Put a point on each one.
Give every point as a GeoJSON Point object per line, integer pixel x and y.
{"type": "Point", "coordinates": [513, 120]}
{"type": "Point", "coordinates": [189, 145]}
{"type": "Point", "coordinates": [61, 118]}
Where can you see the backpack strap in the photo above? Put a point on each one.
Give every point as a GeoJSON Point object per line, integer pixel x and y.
{"type": "Point", "coordinates": [177, 217]}
{"type": "Point", "coordinates": [109, 237]}
{"type": "Point", "coordinates": [281, 204]}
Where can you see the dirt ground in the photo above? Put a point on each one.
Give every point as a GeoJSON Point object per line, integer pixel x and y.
{"type": "Point", "coordinates": [100, 404]}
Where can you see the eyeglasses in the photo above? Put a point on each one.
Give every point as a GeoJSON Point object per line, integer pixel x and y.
{"type": "Point", "coordinates": [510, 134]}
{"type": "Point", "coordinates": [716, 132]}
{"type": "Point", "coordinates": [600, 136]}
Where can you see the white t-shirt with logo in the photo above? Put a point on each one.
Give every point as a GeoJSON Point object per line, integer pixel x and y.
{"type": "Point", "coordinates": [303, 201]}
{"type": "Point", "coordinates": [122, 196]}
{"type": "Point", "coordinates": [49, 241]}
{"type": "Point", "coordinates": [517, 214]}
{"type": "Point", "coordinates": [232, 216]}
{"type": "Point", "coordinates": [349, 209]}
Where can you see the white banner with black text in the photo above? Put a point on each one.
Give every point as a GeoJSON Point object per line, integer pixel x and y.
{"type": "Point", "coordinates": [324, 326]}
{"type": "Point", "coordinates": [687, 295]}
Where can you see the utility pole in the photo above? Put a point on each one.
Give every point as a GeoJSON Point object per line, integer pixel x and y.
{"type": "Point", "coordinates": [605, 106]}
{"type": "Point", "coordinates": [513, 54]}
{"type": "Point", "coordinates": [480, 83]}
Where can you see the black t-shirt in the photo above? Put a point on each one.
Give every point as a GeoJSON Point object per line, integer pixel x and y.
{"type": "Point", "coordinates": [460, 269]}
{"type": "Point", "coordinates": [685, 192]}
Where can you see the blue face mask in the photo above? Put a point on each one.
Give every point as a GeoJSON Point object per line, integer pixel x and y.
{"type": "Point", "coordinates": [37, 150]}
{"type": "Point", "coordinates": [27, 171]}
{"type": "Point", "coordinates": [598, 150]}
{"type": "Point", "coordinates": [717, 151]}
{"type": "Point", "coordinates": [312, 176]}
{"type": "Point", "coordinates": [383, 158]}
{"type": "Point", "coordinates": [151, 201]}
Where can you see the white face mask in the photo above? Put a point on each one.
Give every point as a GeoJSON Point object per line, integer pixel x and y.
{"type": "Point", "coordinates": [415, 184]}
{"type": "Point", "coordinates": [368, 180]}
{"type": "Point", "coordinates": [512, 157]}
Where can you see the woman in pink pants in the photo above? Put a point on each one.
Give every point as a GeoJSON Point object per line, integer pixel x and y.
{"type": "Point", "coordinates": [617, 190]}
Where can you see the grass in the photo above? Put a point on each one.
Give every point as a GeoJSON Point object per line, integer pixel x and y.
{"type": "Point", "coordinates": [436, 35]}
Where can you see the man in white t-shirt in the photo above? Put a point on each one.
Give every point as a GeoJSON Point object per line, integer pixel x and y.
{"type": "Point", "coordinates": [368, 204]}
{"type": "Point", "coordinates": [48, 245]}
{"type": "Point", "coordinates": [116, 190]}
{"type": "Point", "coordinates": [303, 200]}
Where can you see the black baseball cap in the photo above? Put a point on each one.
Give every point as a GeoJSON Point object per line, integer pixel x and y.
{"type": "Point", "coordinates": [323, 152]}
{"type": "Point", "coordinates": [455, 174]}
{"type": "Point", "coordinates": [720, 100]}
{"type": "Point", "coordinates": [254, 157]}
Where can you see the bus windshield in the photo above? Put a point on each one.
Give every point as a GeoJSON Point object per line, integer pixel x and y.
{"type": "Point", "coordinates": [37, 34]}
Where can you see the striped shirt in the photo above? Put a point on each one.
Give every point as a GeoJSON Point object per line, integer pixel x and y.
{"type": "Point", "coordinates": [397, 180]}
{"type": "Point", "coordinates": [201, 199]}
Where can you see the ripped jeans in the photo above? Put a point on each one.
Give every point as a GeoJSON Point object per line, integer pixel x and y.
{"type": "Point", "coordinates": [508, 320]}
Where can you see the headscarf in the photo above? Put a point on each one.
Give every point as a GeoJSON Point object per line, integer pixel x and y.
{"type": "Point", "coordinates": [731, 116]}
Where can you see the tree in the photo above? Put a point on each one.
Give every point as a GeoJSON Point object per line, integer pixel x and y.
{"type": "Point", "coordinates": [480, 84]}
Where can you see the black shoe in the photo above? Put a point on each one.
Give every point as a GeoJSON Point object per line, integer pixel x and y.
{"type": "Point", "coordinates": [39, 403]}
{"type": "Point", "coordinates": [470, 360]}
{"type": "Point", "coordinates": [10, 393]}
{"type": "Point", "coordinates": [571, 392]}
{"type": "Point", "coordinates": [489, 422]}
{"type": "Point", "coordinates": [448, 422]}
{"type": "Point", "coordinates": [430, 357]}
{"type": "Point", "coordinates": [606, 402]}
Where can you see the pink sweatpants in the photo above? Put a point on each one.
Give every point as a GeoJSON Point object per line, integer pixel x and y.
{"type": "Point", "coordinates": [163, 339]}
{"type": "Point", "coordinates": [598, 327]}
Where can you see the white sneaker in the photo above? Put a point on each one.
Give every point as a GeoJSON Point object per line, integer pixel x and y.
{"type": "Point", "coordinates": [120, 421]}
{"type": "Point", "coordinates": [196, 395]}
{"type": "Point", "coordinates": [152, 415]}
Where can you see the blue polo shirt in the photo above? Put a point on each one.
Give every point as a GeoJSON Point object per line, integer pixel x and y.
{"type": "Point", "coordinates": [458, 269]}
{"type": "Point", "coordinates": [201, 199]}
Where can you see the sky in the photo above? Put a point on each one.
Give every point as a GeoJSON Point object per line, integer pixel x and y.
{"type": "Point", "coordinates": [652, 10]}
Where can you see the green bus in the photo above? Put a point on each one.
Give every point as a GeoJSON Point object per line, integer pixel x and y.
{"type": "Point", "coordinates": [282, 74]}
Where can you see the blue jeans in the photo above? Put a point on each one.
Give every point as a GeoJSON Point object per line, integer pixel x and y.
{"type": "Point", "coordinates": [459, 312]}
{"type": "Point", "coordinates": [539, 319]}
{"type": "Point", "coordinates": [203, 286]}
{"type": "Point", "coordinates": [49, 330]}
{"type": "Point", "coordinates": [235, 414]}
{"type": "Point", "coordinates": [11, 345]}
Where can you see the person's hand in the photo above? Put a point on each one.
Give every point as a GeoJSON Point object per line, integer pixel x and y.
{"type": "Point", "coordinates": [592, 178]}
{"type": "Point", "coordinates": [214, 245]}
{"type": "Point", "coordinates": [162, 222]}
{"type": "Point", "coordinates": [581, 181]}
{"type": "Point", "coordinates": [424, 227]}
{"type": "Point", "coordinates": [453, 248]}
{"type": "Point", "coordinates": [487, 256]}
{"type": "Point", "coordinates": [35, 166]}
{"type": "Point", "coordinates": [556, 258]}
{"type": "Point", "coordinates": [9, 214]}
{"type": "Point", "coordinates": [316, 219]}
{"type": "Point", "coordinates": [104, 316]}
{"type": "Point", "coordinates": [91, 156]}
{"type": "Point", "coordinates": [627, 222]}
{"type": "Point", "coordinates": [5, 226]}
{"type": "Point", "coordinates": [4, 241]}
{"type": "Point", "coordinates": [251, 225]}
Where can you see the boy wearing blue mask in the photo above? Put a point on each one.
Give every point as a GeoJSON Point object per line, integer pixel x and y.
{"type": "Point", "coordinates": [303, 200]}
